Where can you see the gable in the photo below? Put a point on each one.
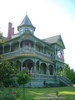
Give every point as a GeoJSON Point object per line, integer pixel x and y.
{"type": "Point", "coordinates": [60, 42]}
{"type": "Point", "coordinates": [27, 36]}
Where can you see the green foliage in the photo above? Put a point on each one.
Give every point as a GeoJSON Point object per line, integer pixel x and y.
{"type": "Point", "coordinates": [70, 73]}
{"type": "Point", "coordinates": [11, 94]}
{"type": "Point", "coordinates": [7, 82]}
{"type": "Point", "coordinates": [2, 39]}
{"type": "Point", "coordinates": [23, 78]}
{"type": "Point", "coordinates": [7, 95]}
{"type": "Point", "coordinates": [6, 72]}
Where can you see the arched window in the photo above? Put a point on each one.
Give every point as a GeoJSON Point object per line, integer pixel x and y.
{"type": "Point", "coordinates": [43, 68]}
{"type": "Point", "coordinates": [51, 69]}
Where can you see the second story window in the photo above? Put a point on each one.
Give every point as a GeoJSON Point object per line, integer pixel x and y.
{"type": "Point", "coordinates": [21, 44]}
{"type": "Point", "coordinates": [31, 45]}
{"type": "Point", "coordinates": [38, 48]}
{"type": "Point", "coordinates": [12, 48]}
{"type": "Point", "coordinates": [51, 55]}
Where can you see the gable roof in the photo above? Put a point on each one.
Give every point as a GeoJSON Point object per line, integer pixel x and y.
{"type": "Point", "coordinates": [55, 39]}
{"type": "Point", "coordinates": [51, 40]}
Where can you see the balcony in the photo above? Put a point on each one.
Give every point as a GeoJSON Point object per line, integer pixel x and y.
{"type": "Point", "coordinates": [26, 50]}
{"type": "Point", "coordinates": [57, 59]}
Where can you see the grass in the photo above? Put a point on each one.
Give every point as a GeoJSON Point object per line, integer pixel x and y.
{"type": "Point", "coordinates": [66, 93]}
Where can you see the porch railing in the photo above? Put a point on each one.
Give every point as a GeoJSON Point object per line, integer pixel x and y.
{"type": "Point", "coordinates": [65, 80]}
{"type": "Point", "coordinates": [42, 76]}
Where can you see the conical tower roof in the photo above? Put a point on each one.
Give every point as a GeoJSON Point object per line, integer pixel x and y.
{"type": "Point", "coordinates": [26, 22]}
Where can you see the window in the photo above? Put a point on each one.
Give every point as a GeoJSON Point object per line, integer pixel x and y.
{"type": "Point", "coordinates": [12, 48]}
{"type": "Point", "coordinates": [31, 44]}
{"type": "Point", "coordinates": [21, 44]}
{"type": "Point", "coordinates": [51, 55]}
{"type": "Point", "coordinates": [26, 44]}
{"type": "Point", "coordinates": [38, 48]}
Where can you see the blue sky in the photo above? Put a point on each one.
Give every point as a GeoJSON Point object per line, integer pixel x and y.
{"type": "Point", "coordinates": [50, 17]}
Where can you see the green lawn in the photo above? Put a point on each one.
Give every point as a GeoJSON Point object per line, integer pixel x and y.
{"type": "Point", "coordinates": [66, 93]}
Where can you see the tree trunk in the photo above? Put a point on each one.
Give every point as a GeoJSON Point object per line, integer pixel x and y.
{"type": "Point", "coordinates": [23, 92]}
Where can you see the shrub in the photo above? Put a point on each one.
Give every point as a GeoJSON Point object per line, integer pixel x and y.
{"type": "Point", "coordinates": [6, 95]}
{"type": "Point", "coordinates": [7, 82]}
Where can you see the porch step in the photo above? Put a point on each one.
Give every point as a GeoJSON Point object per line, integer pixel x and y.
{"type": "Point", "coordinates": [65, 81]}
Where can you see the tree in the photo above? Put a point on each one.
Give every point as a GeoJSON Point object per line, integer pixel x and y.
{"type": "Point", "coordinates": [69, 73]}
{"type": "Point", "coordinates": [23, 78]}
{"type": "Point", "coordinates": [6, 72]}
{"type": "Point", "coordinates": [2, 40]}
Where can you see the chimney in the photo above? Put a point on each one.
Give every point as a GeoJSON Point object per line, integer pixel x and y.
{"type": "Point", "coordinates": [10, 31]}
{"type": "Point", "coordinates": [13, 31]}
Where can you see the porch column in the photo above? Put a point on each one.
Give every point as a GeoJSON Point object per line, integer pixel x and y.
{"type": "Point", "coordinates": [19, 44]}
{"type": "Point", "coordinates": [47, 71]}
{"type": "Point", "coordinates": [56, 69]}
{"type": "Point", "coordinates": [21, 66]}
{"type": "Point", "coordinates": [55, 52]}
{"type": "Point", "coordinates": [34, 70]}
{"type": "Point", "coordinates": [39, 66]}
{"type": "Point", "coordinates": [43, 48]}
{"type": "Point", "coordinates": [35, 45]}
{"type": "Point", "coordinates": [29, 45]}
{"type": "Point", "coordinates": [10, 47]}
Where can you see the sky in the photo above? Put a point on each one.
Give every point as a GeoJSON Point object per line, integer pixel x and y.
{"type": "Point", "coordinates": [50, 17]}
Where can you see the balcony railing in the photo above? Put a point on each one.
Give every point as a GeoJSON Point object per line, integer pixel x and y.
{"type": "Point", "coordinates": [57, 58]}
{"type": "Point", "coordinates": [26, 50]}
{"type": "Point", "coordinates": [29, 50]}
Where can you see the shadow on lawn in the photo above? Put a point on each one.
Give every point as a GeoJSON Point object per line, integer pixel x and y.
{"type": "Point", "coordinates": [64, 95]}
{"type": "Point", "coordinates": [43, 96]}
{"type": "Point", "coordinates": [35, 93]}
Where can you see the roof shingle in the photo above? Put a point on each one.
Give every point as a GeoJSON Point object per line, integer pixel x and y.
{"type": "Point", "coordinates": [51, 40]}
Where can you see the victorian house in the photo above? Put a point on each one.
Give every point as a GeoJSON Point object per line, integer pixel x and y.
{"type": "Point", "coordinates": [43, 58]}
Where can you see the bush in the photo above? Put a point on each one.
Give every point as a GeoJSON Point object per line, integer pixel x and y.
{"type": "Point", "coordinates": [7, 82]}
{"type": "Point", "coordinates": [9, 95]}
{"type": "Point", "coordinates": [6, 96]}
{"type": "Point", "coordinates": [23, 78]}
